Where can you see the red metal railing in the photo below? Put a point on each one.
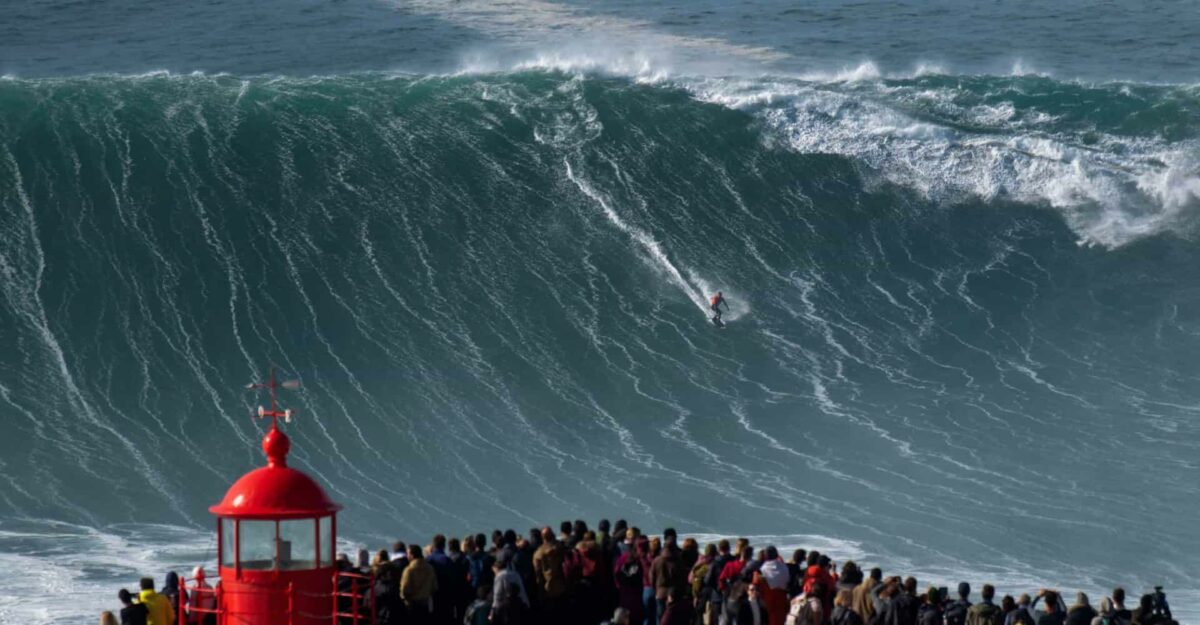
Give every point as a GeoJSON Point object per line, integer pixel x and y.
{"type": "Point", "coordinates": [357, 582]}
{"type": "Point", "coordinates": [192, 609]}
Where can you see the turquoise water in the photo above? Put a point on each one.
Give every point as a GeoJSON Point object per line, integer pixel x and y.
{"type": "Point", "coordinates": [964, 309]}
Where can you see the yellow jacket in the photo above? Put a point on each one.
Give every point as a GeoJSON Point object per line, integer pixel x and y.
{"type": "Point", "coordinates": [158, 608]}
{"type": "Point", "coordinates": [419, 582]}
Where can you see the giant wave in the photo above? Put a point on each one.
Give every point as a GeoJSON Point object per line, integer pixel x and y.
{"type": "Point", "coordinates": [493, 283]}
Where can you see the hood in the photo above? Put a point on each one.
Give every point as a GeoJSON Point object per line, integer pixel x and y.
{"type": "Point", "coordinates": [776, 574]}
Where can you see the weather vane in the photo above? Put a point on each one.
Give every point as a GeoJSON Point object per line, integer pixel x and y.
{"type": "Point", "coordinates": [275, 413]}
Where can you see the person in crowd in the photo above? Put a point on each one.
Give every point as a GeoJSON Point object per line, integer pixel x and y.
{"type": "Point", "coordinates": [202, 597]}
{"type": "Point", "coordinates": [564, 534]}
{"type": "Point", "coordinates": [843, 612]}
{"type": "Point", "coordinates": [444, 595]}
{"type": "Point", "coordinates": [734, 585]}
{"type": "Point", "coordinates": [479, 563]}
{"type": "Point", "coordinates": [363, 562]}
{"type": "Point", "coordinates": [1007, 606]}
{"type": "Point", "coordinates": [1144, 614]}
{"type": "Point", "coordinates": [604, 534]}
{"type": "Point", "coordinates": [629, 575]}
{"type": "Point", "coordinates": [480, 610]}
{"type": "Point", "coordinates": [807, 608]}
{"type": "Point", "coordinates": [985, 612]}
{"type": "Point", "coordinates": [108, 618]}
{"type": "Point", "coordinates": [1022, 614]}
{"type": "Point", "coordinates": [955, 612]}
{"type": "Point", "coordinates": [862, 600]}
{"type": "Point", "coordinates": [381, 560]}
{"type": "Point", "coordinates": [459, 592]}
{"type": "Point", "coordinates": [1120, 612]}
{"type": "Point", "coordinates": [621, 616]}
{"type": "Point", "coordinates": [679, 609]}
{"type": "Point", "coordinates": [818, 573]}
{"type": "Point", "coordinates": [796, 568]}
{"type": "Point", "coordinates": [668, 575]}
{"type": "Point", "coordinates": [929, 612]}
{"type": "Point", "coordinates": [170, 590]}
{"type": "Point", "coordinates": [522, 552]}
{"type": "Point", "coordinates": [1105, 615]}
{"type": "Point", "coordinates": [696, 577]}
{"type": "Point", "coordinates": [772, 579]}
{"type": "Point", "coordinates": [1081, 612]}
{"type": "Point", "coordinates": [132, 613]}
{"type": "Point", "coordinates": [620, 529]}
{"type": "Point", "coordinates": [753, 609]}
{"type": "Point", "coordinates": [572, 573]}
{"type": "Point", "coordinates": [589, 591]}
{"type": "Point", "coordinates": [898, 603]}
{"type": "Point", "coordinates": [510, 601]}
{"type": "Point", "coordinates": [605, 591]}
{"type": "Point", "coordinates": [389, 608]}
{"type": "Point", "coordinates": [158, 607]}
{"type": "Point", "coordinates": [1056, 611]}
{"type": "Point", "coordinates": [689, 553]}
{"type": "Point", "coordinates": [645, 550]}
{"type": "Point", "coordinates": [551, 582]}
{"type": "Point", "coordinates": [399, 552]}
{"type": "Point", "coordinates": [711, 585]}
{"type": "Point", "coordinates": [1161, 607]}
{"type": "Point", "coordinates": [417, 587]}
{"type": "Point", "coordinates": [850, 578]}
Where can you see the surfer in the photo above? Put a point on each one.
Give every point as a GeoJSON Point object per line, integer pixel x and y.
{"type": "Point", "coordinates": [716, 302]}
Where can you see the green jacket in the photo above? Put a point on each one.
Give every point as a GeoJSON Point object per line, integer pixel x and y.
{"type": "Point", "coordinates": [984, 613]}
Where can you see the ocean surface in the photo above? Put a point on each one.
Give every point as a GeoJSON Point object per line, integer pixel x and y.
{"type": "Point", "coordinates": [959, 242]}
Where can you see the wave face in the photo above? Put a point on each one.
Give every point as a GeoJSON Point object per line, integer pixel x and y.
{"type": "Point", "coordinates": [493, 287]}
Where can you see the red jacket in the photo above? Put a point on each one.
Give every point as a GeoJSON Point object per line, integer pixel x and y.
{"type": "Point", "coordinates": [817, 575]}
{"type": "Point", "coordinates": [732, 570]}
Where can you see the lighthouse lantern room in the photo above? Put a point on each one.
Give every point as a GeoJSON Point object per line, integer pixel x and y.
{"type": "Point", "coordinates": [276, 535]}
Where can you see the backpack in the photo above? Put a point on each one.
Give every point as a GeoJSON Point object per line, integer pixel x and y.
{"type": "Point", "coordinates": [800, 612]}
{"type": "Point", "coordinates": [1021, 616]}
{"type": "Point", "coordinates": [630, 573]}
{"type": "Point", "coordinates": [737, 590]}
{"type": "Point", "coordinates": [956, 612]}
{"type": "Point", "coordinates": [572, 566]}
{"type": "Point", "coordinates": [929, 615]}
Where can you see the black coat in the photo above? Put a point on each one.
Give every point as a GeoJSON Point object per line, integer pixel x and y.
{"type": "Point", "coordinates": [134, 614]}
{"type": "Point", "coordinates": [1081, 615]}
{"type": "Point", "coordinates": [845, 616]}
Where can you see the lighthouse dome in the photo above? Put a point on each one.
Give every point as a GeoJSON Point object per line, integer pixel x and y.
{"type": "Point", "coordinates": [275, 491]}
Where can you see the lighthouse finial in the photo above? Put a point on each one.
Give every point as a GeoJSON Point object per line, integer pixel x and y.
{"type": "Point", "coordinates": [275, 442]}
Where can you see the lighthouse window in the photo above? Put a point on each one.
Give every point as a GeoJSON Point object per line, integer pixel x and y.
{"type": "Point", "coordinates": [228, 550]}
{"type": "Point", "coordinates": [257, 544]}
{"type": "Point", "coordinates": [328, 549]}
{"type": "Point", "coordinates": [297, 544]}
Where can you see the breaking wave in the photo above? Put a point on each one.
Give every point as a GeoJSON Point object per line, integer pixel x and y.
{"type": "Point", "coordinates": [493, 284]}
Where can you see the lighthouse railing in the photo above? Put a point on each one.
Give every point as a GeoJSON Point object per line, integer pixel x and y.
{"type": "Point", "coordinates": [195, 607]}
{"type": "Point", "coordinates": [355, 614]}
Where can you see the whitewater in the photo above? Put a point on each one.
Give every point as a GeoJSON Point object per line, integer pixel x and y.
{"type": "Point", "coordinates": [963, 305]}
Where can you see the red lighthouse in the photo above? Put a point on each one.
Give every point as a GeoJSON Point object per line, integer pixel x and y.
{"type": "Point", "coordinates": [276, 535]}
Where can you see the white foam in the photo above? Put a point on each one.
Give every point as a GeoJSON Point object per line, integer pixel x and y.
{"type": "Point", "coordinates": [570, 38]}
{"type": "Point", "coordinates": [1114, 191]}
{"type": "Point", "coordinates": [866, 70]}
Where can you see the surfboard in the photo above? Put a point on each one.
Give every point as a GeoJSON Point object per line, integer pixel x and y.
{"type": "Point", "coordinates": [717, 322]}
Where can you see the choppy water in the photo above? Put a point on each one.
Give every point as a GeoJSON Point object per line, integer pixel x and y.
{"type": "Point", "coordinates": [965, 310]}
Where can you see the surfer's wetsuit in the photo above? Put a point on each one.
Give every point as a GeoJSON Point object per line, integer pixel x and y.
{"type": "Point", "coordinates": [716, 302]}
